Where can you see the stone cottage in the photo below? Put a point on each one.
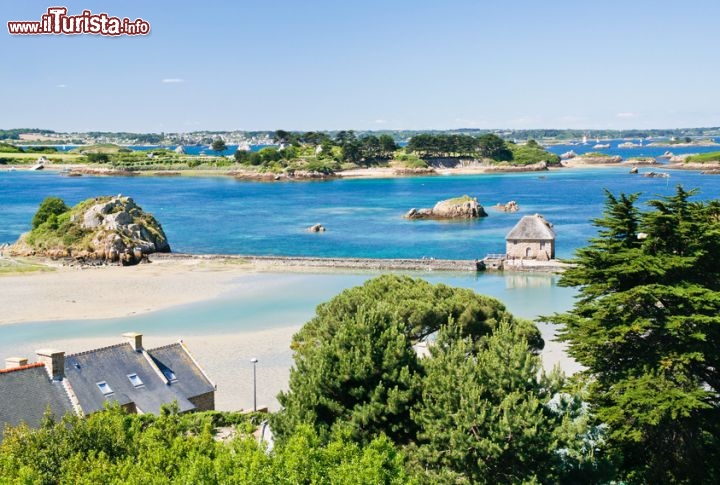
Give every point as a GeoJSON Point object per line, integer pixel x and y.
{"type": "Point", "coordinates": [532, 238]}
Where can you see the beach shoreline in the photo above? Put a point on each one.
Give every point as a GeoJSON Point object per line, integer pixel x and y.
{"type": "Point", "coordinates": [73, 293]}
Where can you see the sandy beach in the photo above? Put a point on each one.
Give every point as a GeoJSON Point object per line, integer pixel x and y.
{"type": "Point", "coordinates": [78, 292]}
{"type": "Point", "coordinates": [82, 293]}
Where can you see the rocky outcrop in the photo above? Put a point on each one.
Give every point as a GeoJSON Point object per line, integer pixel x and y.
{"type": "Point", "coordinates": [316, 228]}
{"type": "Point", "coordinates": [511, 206]}
{"type": "Point", "coordinates": [656, 174]}
{"type": "Point", "coordinates": [464, 207]}
{"type": "Point", "coordinates": [104, 229]}
{"type": "Point", "coordinates": [680, 158]}
{"type": "Point", "coordinates": [592, 159]}
{"type": "Point", "coordinates": [641, 161]}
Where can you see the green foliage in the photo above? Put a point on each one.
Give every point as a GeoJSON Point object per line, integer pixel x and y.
{"type": "Point", "coordinates": [7, 148]}
{"type": "Point", "coordinates": [410, 160]}
{"type": "Point", "coordinates": [713, 157]}
{"type": "Point", "coordinates": [114, 447]}
{"type": "Point", "coordinates": [51, 206]}
{"type": "Point", "coordinates": [483, 417]}
{"type": "Point", "coordinates": [97, 157]}
{"type": "Point", "coordinates": [444, 145]}
{"type": "Point", "coordinates": [40, 149]}
{"type": "Point", "coordinates": [488, 146]}
{"type": "Point", "coordinates": [532, 153]}
{"type": "Point", "coordinates": [646, 327]}
{"type": "Point", "coordinates": [477, 409]}
{"type": "Point", "coordinates": [218, 145]}
{"type": "Point", "coordinates": [355, 366]}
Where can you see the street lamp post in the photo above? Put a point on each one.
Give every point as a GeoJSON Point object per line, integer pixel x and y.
{"type": "Point", "coordinates": [254, 363]}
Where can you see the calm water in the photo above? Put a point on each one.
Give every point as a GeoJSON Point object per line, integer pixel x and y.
{"type": "Point", "coordinates": [363, 217]}
{"type": "Point", "coordinates": [270, 301]}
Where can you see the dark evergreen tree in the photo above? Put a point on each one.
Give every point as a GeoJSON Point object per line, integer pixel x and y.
{"type": "Point", "coordinates": [355, 365]}
{"type": "Point", "coordinates": [484, 416]}
{"type": "Point", "coordinates": [647, 328]}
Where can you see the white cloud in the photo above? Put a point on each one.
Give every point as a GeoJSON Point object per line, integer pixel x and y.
{"type": "Point", "coordinates": [627, 115]}
{"type": "Point", "coordinates": [172, 80]}
{"type": "Point", "coordinates": [380, 122]}
{"type": "Point", "coordinates": [61, 86]}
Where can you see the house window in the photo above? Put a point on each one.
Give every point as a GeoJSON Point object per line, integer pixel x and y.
{"type": "Point", "coordinates": [169, 375]}
{"type": "Point", "coordinates": [104, 388]}
{"type": "Point", "coordinates": [135, 380]}
{"type": "Point", "coordinates": [542, 246]}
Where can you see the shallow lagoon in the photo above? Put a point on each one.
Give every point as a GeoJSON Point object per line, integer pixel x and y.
{"type": "Point", "coordinates": [363, 217]}
{"type": "Point", "coordinates": [273, 300]}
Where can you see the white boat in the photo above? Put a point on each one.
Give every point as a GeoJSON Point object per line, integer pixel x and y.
{"type": "Point", "coordinates": [602, 145]}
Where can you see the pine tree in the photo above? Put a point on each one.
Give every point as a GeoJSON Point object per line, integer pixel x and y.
{"type": "Point", "coordinates": [355, 365]}
{"type": "Point", "coordinates": [483, 417]}
{"type": "Point", "coordinates": [647, 328]}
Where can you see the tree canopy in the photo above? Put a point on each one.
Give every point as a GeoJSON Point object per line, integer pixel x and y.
{"type": "Point", "coordinates": [113, 446]}
{"type": "Point", "coordinates": [647, 328]}
{"type": "Point", "coordinates": [50, 207]}
{"type": "Point", "coordinates": [476, 409]}
{"type": "Point", "coordinates": [218, 145]}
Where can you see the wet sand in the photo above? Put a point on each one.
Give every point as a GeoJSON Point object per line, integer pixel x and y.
{"type": "Point", "coordinates": [74, 293]}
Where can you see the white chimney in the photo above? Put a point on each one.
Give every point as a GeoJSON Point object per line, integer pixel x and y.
{"type": "Point", "coordinates": [13, 362]}
{"type": "Point", "coordinates": [54, 361]}
{"type": "Point", "coordinates": [135, 340]}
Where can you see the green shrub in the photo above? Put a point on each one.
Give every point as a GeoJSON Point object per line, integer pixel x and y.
{"type": "Point", "coordinates": [97, 157]}
{"type": "Point", "coordinates": [8, 148]}
{"type": "Point", "coordinates": [49, 207]}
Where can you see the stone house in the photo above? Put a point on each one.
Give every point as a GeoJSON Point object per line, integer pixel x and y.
{"type": "Point", "coordinates": [138, 379]}
{"type": "Point", "coordinates": [532, 238]}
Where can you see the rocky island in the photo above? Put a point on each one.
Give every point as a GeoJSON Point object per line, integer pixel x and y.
{"type": "Point", "coordinates": [99, 230]}
{"type": "Point", "coordinates": [464, 207]}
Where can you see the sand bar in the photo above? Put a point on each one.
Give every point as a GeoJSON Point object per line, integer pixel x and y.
{"type": "Point", "coordinates": [90, 293]}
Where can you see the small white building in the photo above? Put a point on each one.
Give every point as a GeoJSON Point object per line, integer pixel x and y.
{"type": "Point", "coordinates": [532, 238]}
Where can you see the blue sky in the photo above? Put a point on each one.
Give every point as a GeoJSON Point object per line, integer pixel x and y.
{"type": "Point", "coordinates": [393, 64]}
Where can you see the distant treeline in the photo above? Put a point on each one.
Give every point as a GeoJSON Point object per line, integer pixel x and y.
{"type": "Point", "coordinates": [14, 134]}
{"type": "Point", "coordinates": [206, 137]}
{"type": "Point", "coordinates": [484, 146]}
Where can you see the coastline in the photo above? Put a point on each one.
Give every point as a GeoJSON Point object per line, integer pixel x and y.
{"type": "Point", "coordinates": [356, 173]}
{"type": "Point", "coordinates": [104, 292]}
{"type": "Point", "coordinates": [71, 292]}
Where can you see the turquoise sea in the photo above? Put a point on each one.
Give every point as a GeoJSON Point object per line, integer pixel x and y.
{"type": "Point", "coordinates": [363, 218]}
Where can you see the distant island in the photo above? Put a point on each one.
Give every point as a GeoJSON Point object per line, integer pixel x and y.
{"type": "Point", "coordinates": [315, 155]}
{"type": "Point", "coordinates": [309, 155]}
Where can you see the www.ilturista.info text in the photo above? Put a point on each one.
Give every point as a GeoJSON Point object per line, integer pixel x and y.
{"type": "Point", "coordinates": [57, 21]}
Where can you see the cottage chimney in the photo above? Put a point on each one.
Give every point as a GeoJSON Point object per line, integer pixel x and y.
{"type": "Point", "coordinates": [13, 362]}
{"type": "Point", "coordinates": [135, 340]}
{"type": "Point", "coordinates": [54, 361]}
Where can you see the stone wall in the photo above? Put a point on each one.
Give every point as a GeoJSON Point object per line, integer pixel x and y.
{"type": "Point", "coordinates": [539, 250]}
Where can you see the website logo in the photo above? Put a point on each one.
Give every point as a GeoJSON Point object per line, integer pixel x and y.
{"type": "Point", "coordinates": [57, 22]}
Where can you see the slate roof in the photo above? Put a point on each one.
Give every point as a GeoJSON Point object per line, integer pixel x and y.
{"type": "Point", "coordinates": [113, 366]}
{"type": "Point", "coordinates": [25, 394]}
{"type": "Point", "coordinates": [532, 228]}
{"type": "Point", "coordinates": [185, 376]}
